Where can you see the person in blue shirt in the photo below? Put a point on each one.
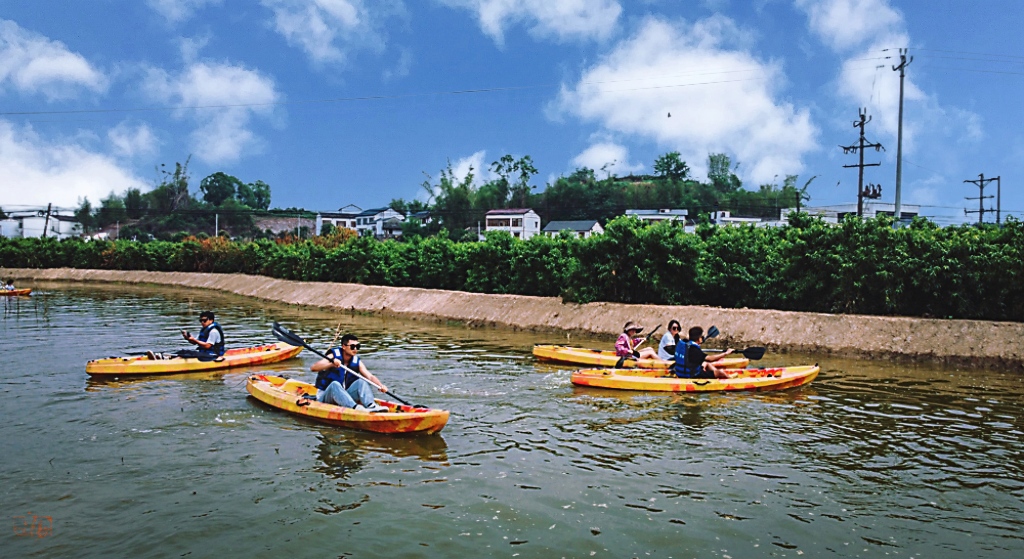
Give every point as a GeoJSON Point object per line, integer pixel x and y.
{"type": "Point", "coordinates": [692, 362]}
{"type": "Point", "coordinates": [341, 387]}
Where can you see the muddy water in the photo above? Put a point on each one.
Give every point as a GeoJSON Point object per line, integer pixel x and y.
{"type": "Point", "coordinates": [869, 460]}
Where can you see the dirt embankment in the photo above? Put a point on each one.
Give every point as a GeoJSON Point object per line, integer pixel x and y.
{"type": "Point", "coordinates": [964, 343]}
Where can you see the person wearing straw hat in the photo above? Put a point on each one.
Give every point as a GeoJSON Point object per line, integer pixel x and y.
{"type": "Point", "coordinates": [626, 345]}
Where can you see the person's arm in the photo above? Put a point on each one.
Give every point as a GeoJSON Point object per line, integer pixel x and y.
{"type": "Point", "coordinates": [373, 380]}
{"type": "Point", "coordinates": [324, 364]}
{"type": "Point", "coordinates": [193, 340]}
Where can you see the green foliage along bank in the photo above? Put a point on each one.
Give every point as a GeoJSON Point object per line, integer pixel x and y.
{"type": "Point", "coordinates": [857, 267]}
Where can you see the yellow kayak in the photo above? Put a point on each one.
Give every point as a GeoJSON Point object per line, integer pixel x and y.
{"type": "Point", "coordinates": [605, 358]}
{"type": "Point", "coordinates": [238, 357]}
{"type": "Point", "coordinates": [286, 394]}
{"type": "Point", "coordinates": [656, 379]}
{"type": "Point", "coordinates": [15, 293]}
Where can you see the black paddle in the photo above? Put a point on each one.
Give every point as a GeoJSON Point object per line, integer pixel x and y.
{"type": "Point", "coordinates": [290, 338]}
{"type": "Point", "coordinates": [752, 353]}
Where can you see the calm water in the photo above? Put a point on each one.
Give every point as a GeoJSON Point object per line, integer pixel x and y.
{"type": "Point", "coordinates": [870, 460]}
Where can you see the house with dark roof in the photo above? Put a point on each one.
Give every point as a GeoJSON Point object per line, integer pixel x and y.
{"type": "Point", "coordinates": [344, 218]}
{"type": "Point", "coordinates": [582, 228]}
{"type": "Point", "coordinates": [371, 222]}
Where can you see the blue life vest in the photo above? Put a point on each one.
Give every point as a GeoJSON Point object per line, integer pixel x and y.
{"type": "Point", "coordinates": [217, 348]}
{"type": "Point", "coordinates": [682, 369]}
{"type": "Point", "coordinates": [325, 377]}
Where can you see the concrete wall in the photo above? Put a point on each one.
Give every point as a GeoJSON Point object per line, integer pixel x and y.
{"type": "Point", "coordinates": [966, 343]}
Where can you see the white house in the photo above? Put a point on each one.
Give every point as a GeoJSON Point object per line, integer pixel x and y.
{"type": "Point", "coordinates": [371, 222]}
{"type": "Point", "coordinates": [522, 223]}
{"type": "Point", "coordinates": [659, 215]}
{"type": "Point", "coordinates": [344, 218]}
{"type": "Point", "coordinates": [582, 229]}
{"type": "Point", "coordinates": [836, 213]}
{"type": "Point", "coordinates": [33, 225]}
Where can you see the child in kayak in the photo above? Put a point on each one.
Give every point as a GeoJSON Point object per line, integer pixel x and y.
{"type": "Point", "coordinates": [626, 345]}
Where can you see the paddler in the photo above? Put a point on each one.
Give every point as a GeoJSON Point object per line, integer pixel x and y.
{"type": "Point", "coordinates": [692, 362]}
{"type": "Point", "coordinates": [337, 382]}
{"type": "Point", "coordinates": [626, 345]}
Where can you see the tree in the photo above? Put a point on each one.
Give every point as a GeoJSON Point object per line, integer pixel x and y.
{"type": "Point", "coordinates": [521, 170]}
{"type": "Point", "coordinates": [172, 192]}
{"type": "Point", "coordinates": [255, 195]}
{"type": "Point", "coordinates": [134, 203]}
{"type": "Point", "coordinates": [83, 214]}
{"type": "Point", "coordinates": [671, 166]}
{"type": "Point", "coordinates": [112, 210]}
{"type": "Point", "coordinates": [219, 187]}
{"type": "Point", "coordinates": [721, 175]}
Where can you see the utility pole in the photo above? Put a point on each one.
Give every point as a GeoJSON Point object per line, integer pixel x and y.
{"type": "Point", "coordinates": [872, 191]}
{"type": "Point", "coordinates": [899, 135]}
{"type": "Point", "coordinates": [999, 197]}
{"type": "Point", "coordinates": [981, 182]}
{"type": "Point", "coordinates": [216, 224]}
{"type": "Point", "coordinates": [46, 224]}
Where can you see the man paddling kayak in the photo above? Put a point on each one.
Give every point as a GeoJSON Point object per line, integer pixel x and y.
{"type": "Point", "coordinates": [209, 343]}
{"type": "Point", "coordinates": [337, 383]}
{"type": "Point", "coordinates": [692, 362]}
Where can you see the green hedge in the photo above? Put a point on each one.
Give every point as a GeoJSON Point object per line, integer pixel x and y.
{"type": "Point", "coordinates": [859, 266]}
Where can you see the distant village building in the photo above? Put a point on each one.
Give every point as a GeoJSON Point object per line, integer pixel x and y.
{"type": "Point", "coordinates": [582, 229]}
{"type": "Point", "coordinates": [371, 222]}
{"type": "Point", "coordinates": [34, 224]}
{"type": "Point", "coordinates": [654, 216]}
{"type": "Point", "coordinates": [725, 217]}
{"type": "Point", "coordinates": [521, 223]}
{"type": "Point", "coordinates": [836, 213]}
{"type": "Point", "coordinates": [344, 218]}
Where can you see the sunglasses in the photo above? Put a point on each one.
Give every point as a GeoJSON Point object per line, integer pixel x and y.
{"type": "Point", "coordinates": [675, 328]}
{"type": "Point", "coordinates": [353, 346]}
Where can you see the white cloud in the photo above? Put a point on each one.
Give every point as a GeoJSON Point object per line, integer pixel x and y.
{"type": "Point", "coordinates": [847, 24]}
{"type": "Point", "coordinates": [34, 64]}
{"type": "Point", "coordinates": [472, 163]}
{"type": "Point", "coordinates": [327, 30]}
{"type": "Point", "coordinates": [129, 141]}
{"type": "Point", "coordinates": [36, 172]}
{"type": "Point", "coordinates": [178, 10]}
{"type": "Point", "coordinates": [868, 33]}
{"type": "Point", "coordinates": [563, 20]}
{"type": "Point", "coordinates": [608, 157]}
{"type": "Point", "coordinates": [222, 99]}
{"type": "Point", "coordinates": [719, 100]}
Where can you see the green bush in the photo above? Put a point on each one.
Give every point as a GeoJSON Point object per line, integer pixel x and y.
{"type": "Point", "coordinates": [859, 266]}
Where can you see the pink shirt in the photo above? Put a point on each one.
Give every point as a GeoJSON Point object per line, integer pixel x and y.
{"type": "Point", "coordinates": [624, 346]}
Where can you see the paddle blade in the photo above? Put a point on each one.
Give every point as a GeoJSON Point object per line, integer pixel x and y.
{"type": "Point", "coordinates": [287, 336]}
{"type": "Point", "coordinates": [754, 353]}
{"type": "Point", "coordinates": [712, 333]}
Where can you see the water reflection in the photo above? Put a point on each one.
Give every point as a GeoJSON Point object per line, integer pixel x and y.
{"type": "Point", "coordinates": [871, 458]}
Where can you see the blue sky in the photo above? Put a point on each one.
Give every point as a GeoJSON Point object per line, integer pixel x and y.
{"type": "Point", "coordinates": [336, 102]}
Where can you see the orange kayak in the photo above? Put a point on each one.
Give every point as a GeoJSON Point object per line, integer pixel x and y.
{"type": "Point", "coordinates": [15, 293]}
{"type": "Point", "coordinates": [238, 357]}
{"type": "Point", "coordinates": [286, 394]}
{"type": "Point", "coordinates": [657, 380]}
{"type": "Point", "coordinates": [605, 358]}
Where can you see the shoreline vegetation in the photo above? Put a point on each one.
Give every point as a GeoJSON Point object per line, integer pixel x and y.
{"type": "Point", "coordinates": [970, 344]}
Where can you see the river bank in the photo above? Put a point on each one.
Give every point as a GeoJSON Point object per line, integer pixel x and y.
{"type": "Point", "coordinates": [958, 343]}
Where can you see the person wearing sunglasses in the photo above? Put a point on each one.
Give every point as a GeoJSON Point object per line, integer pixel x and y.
{"type": "Point", "coordinates": [337, 382]}
{"type": "Point", "coordinates": [209, 344]}
{"type": "Point", "coordinates": [667, 346]}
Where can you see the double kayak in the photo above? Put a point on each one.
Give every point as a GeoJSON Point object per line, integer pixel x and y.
{"type": "Point", "coordinates": [776, 378]}
{"type": "Point", "coordinates": [605, 358]}
{"type": "Point", "coordinates": [238, 357]}
{"type": "Point", "coordinates": [287, 395]}
{"type": "Point", "coordinates": [15, 293]}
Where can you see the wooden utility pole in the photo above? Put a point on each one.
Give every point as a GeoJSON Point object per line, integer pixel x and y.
{"type": "Point", "coordinates": [981, 182]}
{"type": "Point", "coordinates": [46, 223]}
{"type": "Point", "coordinates": [899, 135]}
{"type": "Point", "coordinates": [873, 191]}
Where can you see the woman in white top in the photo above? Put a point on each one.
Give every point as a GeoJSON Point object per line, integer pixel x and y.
{"type": "Point", "coordinates": [666, 349]}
